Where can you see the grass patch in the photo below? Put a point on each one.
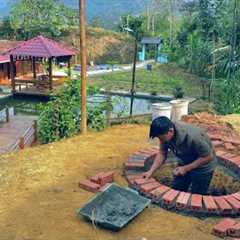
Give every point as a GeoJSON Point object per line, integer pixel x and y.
{"type": "Point", "coordinates": [163, 79]}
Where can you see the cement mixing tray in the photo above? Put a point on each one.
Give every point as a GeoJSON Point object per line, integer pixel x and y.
{"type": "Point", "coordinates": [114, 208]}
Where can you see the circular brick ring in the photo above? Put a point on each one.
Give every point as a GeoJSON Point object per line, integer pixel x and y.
{"type": "Point", "coordinates": [182, 202]}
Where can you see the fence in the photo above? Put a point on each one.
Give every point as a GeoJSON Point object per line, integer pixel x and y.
{"type": "Point", "coordinates": [5, 114]}
{"type": "Point", "coordinates": [28, 138]}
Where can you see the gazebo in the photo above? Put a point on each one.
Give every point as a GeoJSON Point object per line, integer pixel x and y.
{"type": "Point", "coordinates": [155, 41]}
{"type": "Point", "coordinates": [38, 49]}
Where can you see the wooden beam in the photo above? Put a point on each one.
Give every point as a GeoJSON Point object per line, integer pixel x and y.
{"type": "Point", "coordinates": [50, 73]}
{"type": "Point", "coordinates": [69, 67]}
{"type": "Point", "coordinates": [34, 68]}
{"type": "Point", "coordinates": [83, 53]}
{"type": "Point", "coordinates": [12, 74]}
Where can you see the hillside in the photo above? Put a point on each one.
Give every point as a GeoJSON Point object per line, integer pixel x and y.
{"type": "Point", "coordinates": [104, 45]}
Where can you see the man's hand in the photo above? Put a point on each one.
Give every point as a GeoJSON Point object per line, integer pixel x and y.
{"type": "Point", "coordinates": [147, 174]}
{"type": "Point", "coordinates": [180, 171]}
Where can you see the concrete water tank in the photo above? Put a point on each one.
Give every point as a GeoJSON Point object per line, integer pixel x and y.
{"type": "Point", "coordinates": [161, 109]}
{"type": "Point", "coordinates": [179, 109]}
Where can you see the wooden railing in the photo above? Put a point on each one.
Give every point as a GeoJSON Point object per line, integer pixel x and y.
{"type": "Point", "coordinates": [23, 82]}
{"type": "Point", "coordinates": [29, 137]}
{"type": "Point", "coordinates": [26, 140]}
{"type": "Point", "coordinates": [42, 82]}
{"type": "Point", "coordinates": [5, 114]}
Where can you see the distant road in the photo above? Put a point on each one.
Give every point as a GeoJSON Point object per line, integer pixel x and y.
{"type": "Point", "coordinates": [118, 68]}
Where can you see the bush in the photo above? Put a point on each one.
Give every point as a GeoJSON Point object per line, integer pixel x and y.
{"type": "Point", "coordinates": [178, 92]}
{"type": "Point", "coordinates": [60, 117]}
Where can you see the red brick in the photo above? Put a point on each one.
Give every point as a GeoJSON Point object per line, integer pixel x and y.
{"type": "Point", "coordinates": [95, 178]}
{"type": "Point", "coordinates": [134, 165]}
{"type": "Point", "coordinates": [234, 231]}
{"type": "Point", "coordinates": [169, 197]}
{"type": "Point", "coordinates": [157, 193]}
{"type": "Point", "coordinates": [136, 161]}
{"type": "Point", "coordinates": [224, 206]}
{"type": "Point", "coordinates": [106, 177]}
{"type": "Point", "coordinates": [137, 157]}
{"type": "Point", "coordinates": [141, 181]}
{"type": "Point", "coordinates": [233, 202]}
{"type": "Point", "coordinates": [148, 187]}
{"type": "Point", "coordinates": [182, 200]}
{"type": "Point", "coordinates": [196, 202]}
{"type": "Point", "coordinates": [210, 204]}
{"type": "Point", "coordinates": [223, 226]}
{"type": "Point", "coordinates": [236, 158]}
{"type": "Point", "coordinates": [131, 177]}
{"type": "Point", "coordinates": [101, 189]}
{"type": "Point", "coordinates": [236, 195]}
{"type": "Point", "coordinates": [143, 154]}
{"type": "Point", "coordinates": [233, 140]}
{"type": "Point", "coordinates": [220, 153]}
{"type": "Point", "coordinates": [214, 136]}
{"type": "Point", "coordinates": [229, 146]}
{"type": "Point", "coordinates": [149, 152]}
{"type": "Point", "coordinates": [89, 186]}
{"type": "Point", "coordinates": [228, 155]}
{"type": "Point", "coordinates": [216, 143]}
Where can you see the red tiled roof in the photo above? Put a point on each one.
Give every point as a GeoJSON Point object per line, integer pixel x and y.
{"type": "Point", "coordinates": [40, 47]}
{"type": "Point", "coordinates": [4, 58]}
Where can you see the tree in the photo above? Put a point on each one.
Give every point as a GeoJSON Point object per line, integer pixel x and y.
{"type": "Point", "coordinates": [6, 31]}
{"type": "Point", "coordinates": [29, 18]}
{"type": "Point", "coordinates": [96, 22]}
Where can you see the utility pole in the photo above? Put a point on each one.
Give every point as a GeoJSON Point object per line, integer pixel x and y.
{"type": "Point", "coordinates": [83, 54]}
{"type": "Point", "coordinates": [133, 76]}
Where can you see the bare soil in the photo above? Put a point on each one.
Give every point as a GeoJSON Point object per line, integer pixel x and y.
{"type": "Point", "coordinates": [40, 194]}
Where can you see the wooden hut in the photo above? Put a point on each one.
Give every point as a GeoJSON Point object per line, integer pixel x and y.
{"type": "Point", "coordinates": [37, 50]}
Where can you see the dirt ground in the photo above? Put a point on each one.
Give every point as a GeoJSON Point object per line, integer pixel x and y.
{"type": "Point", "coordinates": [40, 194]}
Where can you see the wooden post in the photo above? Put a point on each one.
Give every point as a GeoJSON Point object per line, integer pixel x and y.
{"type": "Point", "coordinates": [12, 74]}
{"type": "Point", "coordinates": [34, 68]}
{"type": "Point", "coordinates": [50, 73]}
{"type": "Point", "coordinates": [69, 67]}
{"type": "Point", "coordinates": [7, 115]}
{"type": "Point", "coordinates": [133, 77]}
{"type": "Point", "coordinates": [21, 143]}
{"type": "Point", "coordinates": [109, 109]}
{"type": "Point", "coordinates": [83, 53]}
{"type": "Point", "coordinates": [35, 130]}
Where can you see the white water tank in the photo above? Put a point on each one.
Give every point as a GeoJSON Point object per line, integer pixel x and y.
{"type": "Point", "coordinates": [161, 109]}
{"type": "Point", "coordinates": [179, 109]}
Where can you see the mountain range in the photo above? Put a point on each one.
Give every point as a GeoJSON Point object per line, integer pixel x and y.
{"type": "Point", "coordinates": [109, 11]}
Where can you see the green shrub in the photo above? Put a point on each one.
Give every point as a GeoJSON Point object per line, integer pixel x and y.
{"type": "Point", "coordinates": [178, 92]}
{"type": "Point", "coordinates": [60, 117]}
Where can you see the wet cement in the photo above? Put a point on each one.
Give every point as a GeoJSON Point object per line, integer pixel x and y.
{"type": "Point", "coordinates": [114, 208]}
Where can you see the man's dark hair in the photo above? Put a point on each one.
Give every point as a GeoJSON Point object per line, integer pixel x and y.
{"type": "Point", "coordinates": [160, 126]}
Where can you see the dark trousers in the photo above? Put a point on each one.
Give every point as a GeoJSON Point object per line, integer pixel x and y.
{"type": "Point", "coordinates": [199, 183]}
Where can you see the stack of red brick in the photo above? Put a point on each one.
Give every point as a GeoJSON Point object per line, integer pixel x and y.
{"type": "Point", "coordinates": [222, 135]}
{"type": "Point", "coordinates": [181, 201]}
{"type": "Point", "coordinates": [139, 160]}
{"type": "Point", "coordinates": [98, 182]}
{"type": "Point", "coordinates": [227, 227]}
